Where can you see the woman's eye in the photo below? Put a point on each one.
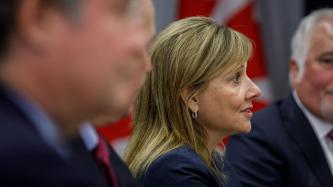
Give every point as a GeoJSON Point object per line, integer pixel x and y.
{"type": "Point", "coordinates": [237, 77]}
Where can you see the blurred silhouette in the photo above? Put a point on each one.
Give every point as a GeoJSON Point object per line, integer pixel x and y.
{"type": "Point", "coordinates": [62, 63]}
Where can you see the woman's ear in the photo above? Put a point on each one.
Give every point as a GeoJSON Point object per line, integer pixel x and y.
{"type": "Point", "coordinates": [192, 102]}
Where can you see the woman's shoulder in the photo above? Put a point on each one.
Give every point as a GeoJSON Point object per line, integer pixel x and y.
{"type": "Point", "coordinates": [179, 167]}
{"type": "Point", "coordinates": [181, 156]}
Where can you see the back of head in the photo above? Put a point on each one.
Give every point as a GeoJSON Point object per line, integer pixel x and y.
{"type": "Point", "coordinates": [143, 11]}
{"type": "Point", "coordinates": [7, 18]}
{"type": "Point", "coordinates": [9, 10]}
{"type": "Point", "coordinates": [185, 55]}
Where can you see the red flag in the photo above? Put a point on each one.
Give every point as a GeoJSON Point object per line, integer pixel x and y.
{"type": "Point", "coordinates": [117, 133]}
{"type": "Point", "coordinates": [195, 8]}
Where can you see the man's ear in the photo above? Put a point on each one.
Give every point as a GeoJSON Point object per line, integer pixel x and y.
{"type": "Point", "coordinates": [34, 23]}
{"type": "Point", "coordinates": [294, 72]}
{"type": "Point", "coordinates": [192, 102]}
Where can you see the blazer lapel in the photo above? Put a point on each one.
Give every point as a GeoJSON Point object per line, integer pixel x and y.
{"type": "Point", "coordinates": [300, 130]}
{"type": "Point", "coordinates": [83, 157]}
{"type": "Point", "coordinates": [124, 176]}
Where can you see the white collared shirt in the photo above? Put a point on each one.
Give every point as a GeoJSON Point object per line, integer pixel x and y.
{"type": "Point", "coordinates": [89, 136]}
{"type": "Point", "coordinates": [321, 129]}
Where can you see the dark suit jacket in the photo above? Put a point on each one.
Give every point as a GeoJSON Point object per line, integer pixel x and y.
{"type": "Point", "coordinates": [281, 150]}
{"type": "Point", "coordinates": [26, 160]}
{"type": "Point", "coordinates": [181, 167]}
{"type": "Point", "coordinates": [124, 176]}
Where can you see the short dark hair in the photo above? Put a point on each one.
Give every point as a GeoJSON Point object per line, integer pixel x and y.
{"type": "Point", "coordinates": [8, 9]}
{"type": "Point", "coordinates": [8, 13]}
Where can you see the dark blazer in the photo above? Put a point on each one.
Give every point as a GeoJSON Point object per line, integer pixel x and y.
{"type": "Point", "coordinates": [124, 176]}
{"type": "Point", "coordinates": [26, 160]}
{"type": "Point", "coordinates": [181, 167]}
{"type": "Point", "coordinates": [281, 150]}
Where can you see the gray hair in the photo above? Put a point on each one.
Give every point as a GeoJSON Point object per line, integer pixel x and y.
{"type": "Point", "coordinates": [69, 7]}
{"type": "Point", "coordinates": [10, 8]}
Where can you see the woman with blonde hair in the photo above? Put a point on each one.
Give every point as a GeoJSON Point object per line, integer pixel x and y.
{"type": "Point", "coordinates": [197, 93]}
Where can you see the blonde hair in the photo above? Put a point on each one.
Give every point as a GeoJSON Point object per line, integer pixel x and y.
{"type": "Point", "coordinates": [186, 54]}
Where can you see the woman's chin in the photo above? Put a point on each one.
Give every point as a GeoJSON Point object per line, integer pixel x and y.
{"type": "Point", "coordinates": [246, 128]}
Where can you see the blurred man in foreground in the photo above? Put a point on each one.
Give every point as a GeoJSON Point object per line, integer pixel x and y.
{"type": "Point", "coordinates": [62, 63]}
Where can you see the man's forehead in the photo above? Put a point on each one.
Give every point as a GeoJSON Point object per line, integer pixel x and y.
{"type": "Point", "coordinates": [143, 12]}
{"type": "Point", "coordinates": [120, 5]}
{"type": "Point", "coordinates": [326, 26]}
{"type": "Point", "coordinates": [323, 29]}
{"type": "Point", "coordinates": [135, 7]}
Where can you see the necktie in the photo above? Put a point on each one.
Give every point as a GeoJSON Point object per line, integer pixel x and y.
{"type": "Point", "coordinates": [101, 156]}
{"type": "Point", "coordinates": [329, 140]}
{"type": "Point", "coordinates": [330, 135]}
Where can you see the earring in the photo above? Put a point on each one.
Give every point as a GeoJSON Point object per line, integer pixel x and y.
{"type": "Point", "coordinates": [194, 115]}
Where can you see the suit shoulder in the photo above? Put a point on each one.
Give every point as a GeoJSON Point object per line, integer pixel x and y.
{"type": "Point", "coordinates": [267, 130]}
{"type": "Point", "coordinates": [271, 111]}
{"type": "Point", "coordinates": [269, 119]}
{"type": "Point", "coordinates": [12, 136]}
{"type": "Point", "coordinates": [123, 174]}
{"type": "Point", "coordinates": [15, 127]}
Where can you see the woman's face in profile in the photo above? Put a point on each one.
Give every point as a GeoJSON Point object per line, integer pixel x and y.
{"type": "Point", "coordinates": [226, 103]}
